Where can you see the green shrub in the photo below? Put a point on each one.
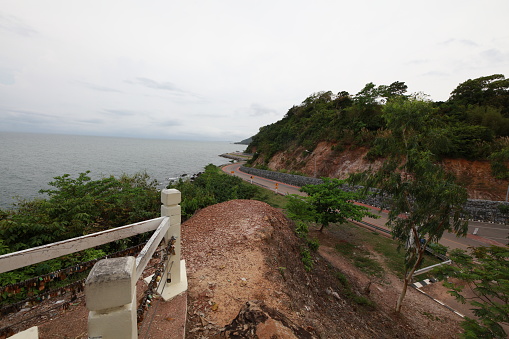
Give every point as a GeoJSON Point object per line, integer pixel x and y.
{"type": "Point", "coordinates": [209, 188]}
{"type": "Point", "coordinates": [313, 244]}
{"type": "Point", "coordinates": [76, 207]}
{"type": "Point", "coordinates": [306, 259]}
{"type": "Point", "coordinates": [301, 229]}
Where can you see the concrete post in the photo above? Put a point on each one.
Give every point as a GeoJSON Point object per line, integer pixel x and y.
{"type": "Point", "coordinates": [175, 273]}
{"type": "Point", "coordinates": [110, 292]}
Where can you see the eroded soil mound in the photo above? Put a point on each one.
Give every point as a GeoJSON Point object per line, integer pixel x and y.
{"type": "Point", "coordinates": [245, 250]}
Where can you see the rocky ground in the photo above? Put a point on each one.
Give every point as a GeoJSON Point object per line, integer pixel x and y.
{"type": "Point", "coordinates": [244, 263]}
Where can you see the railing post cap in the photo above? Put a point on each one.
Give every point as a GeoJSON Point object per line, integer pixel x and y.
{"type": "Point", "coordinates": [111, 283]}
{"type": "Point", "coordinates": [170, 196]}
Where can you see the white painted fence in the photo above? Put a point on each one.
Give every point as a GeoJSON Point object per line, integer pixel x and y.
{"type": "Point", "coordinates": [111, 286]}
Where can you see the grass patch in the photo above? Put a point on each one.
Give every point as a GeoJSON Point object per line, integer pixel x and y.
{"type": "Point", "coordinates": [353, 241]}
{"type": "Point", "coordinates": [346, 290]}
{"type": "Point", "coordinates": [360, 258]}
{"type": "Point", "coordinates": [271, 198]}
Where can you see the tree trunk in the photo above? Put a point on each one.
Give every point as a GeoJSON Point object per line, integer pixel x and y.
{"type": "Point", "coordinates": [403, 292]}
{"type": "Point", "coordinates": [407, 280]}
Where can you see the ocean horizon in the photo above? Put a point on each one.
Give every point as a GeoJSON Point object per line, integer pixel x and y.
{"type": "Point", "coordinates": [29, 161]}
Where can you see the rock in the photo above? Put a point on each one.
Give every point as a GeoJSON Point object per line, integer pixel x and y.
{"type": "Point", "coordinates": [256, 320]}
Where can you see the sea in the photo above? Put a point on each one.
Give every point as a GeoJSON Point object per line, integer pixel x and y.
{"type": "Point", "coordinates": [29, 161]}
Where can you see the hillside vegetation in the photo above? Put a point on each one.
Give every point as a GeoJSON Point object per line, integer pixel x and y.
{"type": "Point", "coordinates": [472, 125]}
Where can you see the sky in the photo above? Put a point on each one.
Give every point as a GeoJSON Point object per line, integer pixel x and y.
{"type": "Point", "coordinates": [220, 70]}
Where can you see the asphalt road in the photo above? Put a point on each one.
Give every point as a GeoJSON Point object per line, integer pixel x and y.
{"type": "Point", "coordinates": [479, 233]}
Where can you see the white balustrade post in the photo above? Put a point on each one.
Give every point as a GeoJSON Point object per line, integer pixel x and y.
{"type": "Point", "coordinates": [110, 292]}
{"type": "Point", "coordinates": [175, 273]}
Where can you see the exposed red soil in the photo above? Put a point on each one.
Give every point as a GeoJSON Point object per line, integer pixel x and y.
{"type": "Point", "coordinates": [475, 175]}
{"type": "Point", "coordinates": [251, 253]}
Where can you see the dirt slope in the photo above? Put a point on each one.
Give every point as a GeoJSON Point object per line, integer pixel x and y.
{"type": "Point", "coordinates": [333, 161]}
{"type": "Point", "coordinates": [245, 251]}
{"type": "Point", "coordinates": [242, 250]}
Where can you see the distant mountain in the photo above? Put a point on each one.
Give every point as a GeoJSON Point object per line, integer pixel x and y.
{"type": "Point", "coordinates": [245, 141]}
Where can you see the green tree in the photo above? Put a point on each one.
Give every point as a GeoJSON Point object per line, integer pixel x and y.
{"type": "Point", "coordinates": [326, 203]}
{"type": "Point", "coordinates": [492, 90]}
{"type": "Point", "coordinates": [478, 91]}
{"type": "Point", "coordinates": [484, 272]}
{"type": "Point", "coordinates": [424, 201]}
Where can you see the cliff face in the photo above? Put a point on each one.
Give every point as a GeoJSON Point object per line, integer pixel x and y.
{"type": "Point", "coordinates": [331, 161]}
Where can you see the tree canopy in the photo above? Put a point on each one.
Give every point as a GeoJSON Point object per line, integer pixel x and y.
{"type": "Point", "coordinates": [424, 201]}
{"type": "Point", "coordinates": [473, 122]}
{"type": "Point", "coordinates": [326, 203]}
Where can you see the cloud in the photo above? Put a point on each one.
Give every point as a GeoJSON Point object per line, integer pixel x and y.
{"type": "Point", "coordinates": [14, 25]}
{"type": "Point", "coordinates": [435, 74]}
{"type": "Point", "coordinates": [256, 110]}
{"type": "Point", "coordinates": [7, 77]}
{"type": "Point", "coordinates": [96, 87]}
{"type": "Point", "coordinates": [169, 123]}
{"type": "Point", "coordinates": [91, 121]}
{"type": "Point", "coordinates": [18, 113]}
{"type": "Point", "coordinates": [167, 86]}
{"type": "Point", "coordinates": [23, 120]}
{"type": "Point", "coordinates": [494, 55]}
{"type": "Point", "coordinates": [121, 112]}
{"type": "Point", "coordinates": [418, 61]}
{"type": "Point", "coordinates": [465, 42]}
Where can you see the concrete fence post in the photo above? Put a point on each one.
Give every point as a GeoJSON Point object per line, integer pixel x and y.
{"type": "Point", "coordinates": [175, 272]}
{"type": "Point", "coordinates": [110, 292]}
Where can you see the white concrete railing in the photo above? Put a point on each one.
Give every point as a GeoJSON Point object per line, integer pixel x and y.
{"type": "Point", "coordinates": [35, 255]}
{"type": "Point", "coordinates": [110, 287]}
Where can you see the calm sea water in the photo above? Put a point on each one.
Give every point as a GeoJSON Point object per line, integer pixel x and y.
{"type": "Point", "coordinates": [29, 161]}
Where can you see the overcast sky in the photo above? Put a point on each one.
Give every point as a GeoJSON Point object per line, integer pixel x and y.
{"type": "Point", "coordinates": [220, 70]}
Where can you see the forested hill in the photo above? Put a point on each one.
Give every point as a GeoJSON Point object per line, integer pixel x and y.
{"type": "Point", "coordinates": [471, 128]}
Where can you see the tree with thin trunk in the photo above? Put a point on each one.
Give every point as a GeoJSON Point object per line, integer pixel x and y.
{"type": "Point", "coordinates": [423, 200]}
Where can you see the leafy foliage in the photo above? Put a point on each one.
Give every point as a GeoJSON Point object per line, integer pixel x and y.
{"type": "Point", "coordinates": [425, 201]}
{"type": "Point", "coordinates": [209, 188]}
{"type": "Point", "coordinates": [76, 207]}
{"type": "Point", "coordinates": [476, 114]}
{"type": "Point", "coordinates": [326, 203]}
{"type": "Point", "coordinates": [326, 116]}
{"type": "Point", "coordinates": [490, 90]}
{"type": "Point", "coordinates": [485, 272]}
{"type": "Point", "coordinates": [79, 206]}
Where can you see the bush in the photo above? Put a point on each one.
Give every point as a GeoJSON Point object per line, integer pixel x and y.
{"type": "Point", "coordinates": [76, 207]}
{"type": "Point", "coordinates": [301, 229]}
{"type": "Point", "coordinates": [209, 188]}
{"type": "Point", "coordinates": [306, 259]}
{"type": "Point", "coordinates": [313, 244]}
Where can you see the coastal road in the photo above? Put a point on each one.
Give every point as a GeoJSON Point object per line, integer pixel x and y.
{"type": "Point", "coordinates": [479, 233]}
